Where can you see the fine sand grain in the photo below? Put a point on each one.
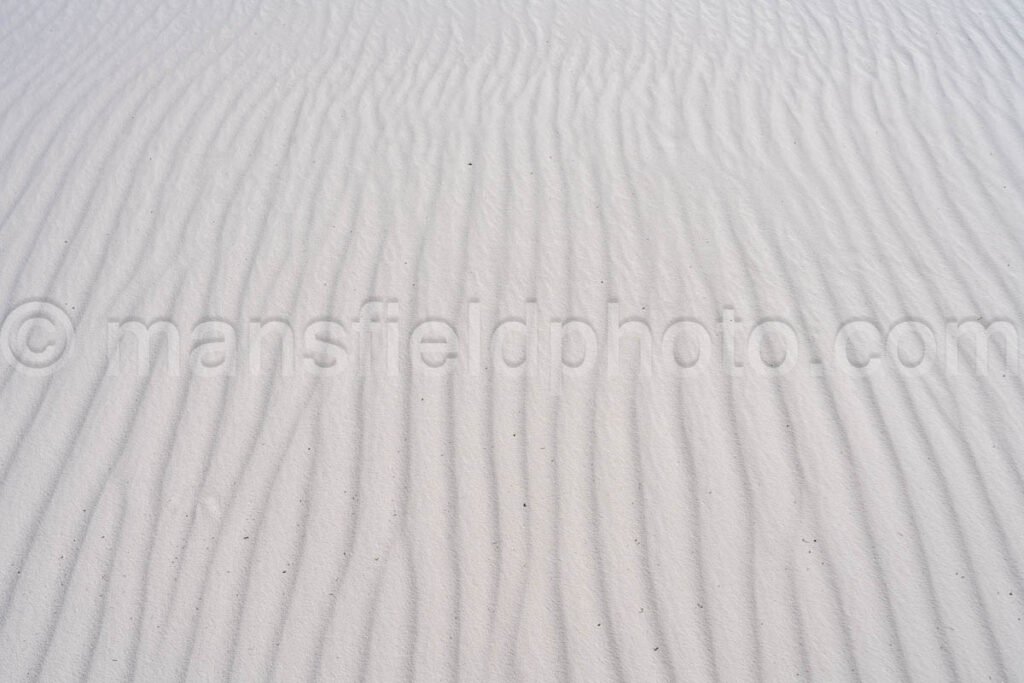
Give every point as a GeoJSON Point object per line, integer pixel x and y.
{"type": "Point", "coordinates": [775, 514]}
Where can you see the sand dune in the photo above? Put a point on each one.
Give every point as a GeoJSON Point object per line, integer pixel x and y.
{"type": "Point", "coordinates": [491, 497]}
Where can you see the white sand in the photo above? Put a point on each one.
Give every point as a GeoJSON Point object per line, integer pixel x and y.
{"type": "Point", "coordinates": [810, 162]}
